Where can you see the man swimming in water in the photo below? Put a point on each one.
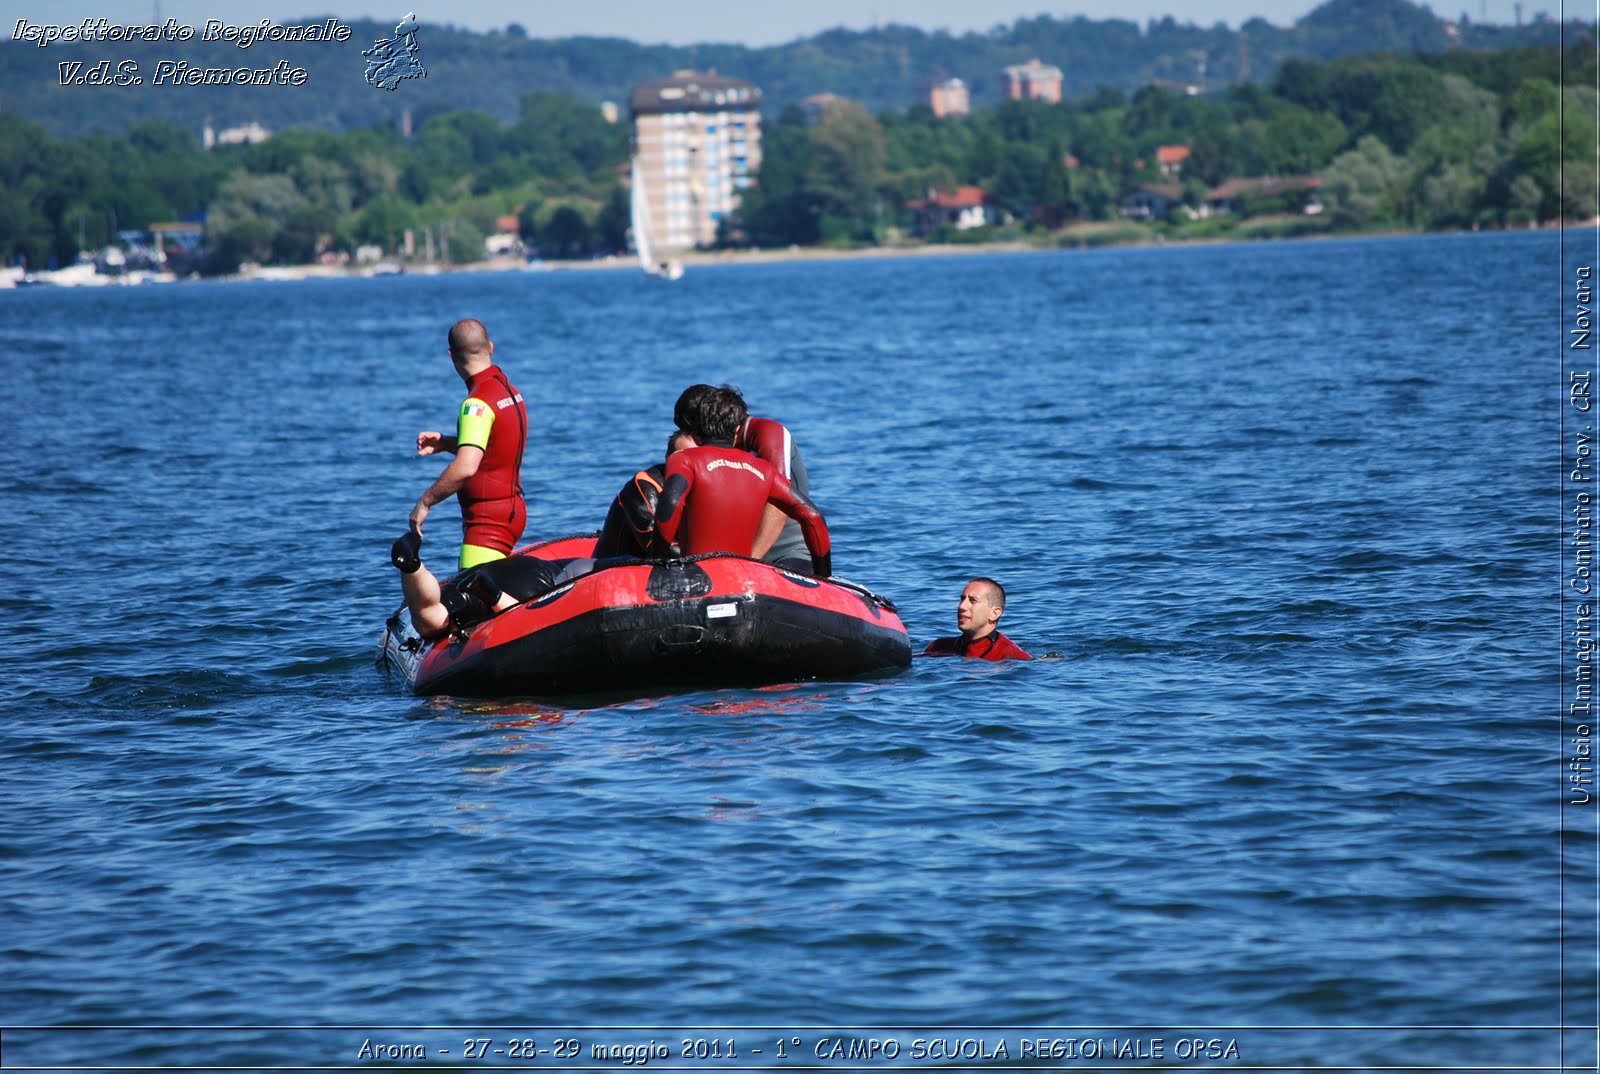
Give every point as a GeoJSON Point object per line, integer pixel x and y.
{"type": "Point", "coordinates": [978, 617]}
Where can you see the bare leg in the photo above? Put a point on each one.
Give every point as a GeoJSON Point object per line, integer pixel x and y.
{"type": "Point", "coordinates": [425, 602]}
{"type": "Point", "coordinates": [474, 602]}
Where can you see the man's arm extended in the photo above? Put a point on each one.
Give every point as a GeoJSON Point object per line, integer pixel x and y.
{"type": "Point", "coordinates": [431, 442]}
{"type": "Point", "coordinates": [456, 475]}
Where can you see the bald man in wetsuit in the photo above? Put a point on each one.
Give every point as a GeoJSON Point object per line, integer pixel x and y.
{"type": "Point", "coordinates": [715, 495]}
{"type": "Point", "coordinates": [486, 474]}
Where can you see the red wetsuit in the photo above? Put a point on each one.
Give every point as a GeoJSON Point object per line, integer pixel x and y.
{"type": "Point", "coordinates": [714, 498]}
{"type": "Point", "coordinates": [493, 513]}
{"type": "Point", "coordinates": [771, 441]}
{"type": "Point", "coordinates": [993, 646]}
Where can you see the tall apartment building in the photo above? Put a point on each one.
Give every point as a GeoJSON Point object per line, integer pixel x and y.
{"type": "Point", "coordinates": [1034, 81]}
{"type": "Point", "coordinates": [950, 98]}
{"type": "Point", "coordinates": [697, 140]}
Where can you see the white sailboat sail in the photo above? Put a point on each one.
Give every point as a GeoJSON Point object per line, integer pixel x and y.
{"type": "Point", "coordinates": [643, 239]}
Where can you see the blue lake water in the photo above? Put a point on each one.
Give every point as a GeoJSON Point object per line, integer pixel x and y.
{"type": "Point", "coordinates": [1288, 513]}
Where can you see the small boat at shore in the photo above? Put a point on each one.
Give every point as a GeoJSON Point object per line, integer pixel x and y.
{"type": "Point", "coordinates": [712, 620]}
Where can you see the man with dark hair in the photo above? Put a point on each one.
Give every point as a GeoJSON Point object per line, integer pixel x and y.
{"type": "Point", "coordinates": [711, 414]}
{"type": "Point", "coordinates": [690, 400]}
{"type": "Point", "coordinates": [778, 538]}
{"type": "Point", "coordinates": [714, 495]}
{"type": "Point", "coordinates": [978, 618]}
{"type": "Point", "coordinates": [486, 474]}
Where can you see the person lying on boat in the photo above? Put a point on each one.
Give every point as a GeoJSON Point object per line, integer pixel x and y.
{"type": "Point", "coordinates": [714, 494]}
{"type": "Point", "coordinates": [978, 619]}
{"type": "Point", "coordinates": [472, 596]}
{"type": "Point", "coordinates": [481, 592]}
{"type": "Point", "coordinates": [778, 539]}
{"type": "Point", "coordinates": [630, 526]}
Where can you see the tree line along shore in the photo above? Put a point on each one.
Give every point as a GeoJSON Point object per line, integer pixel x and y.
{"type": "Point", "coordinates": [1446, 141]}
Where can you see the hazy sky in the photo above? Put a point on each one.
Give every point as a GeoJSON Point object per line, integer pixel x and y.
{"type": "Point", "coordinates": [686, 21]}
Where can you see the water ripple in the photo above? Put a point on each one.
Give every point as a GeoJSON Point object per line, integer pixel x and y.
{"type": "Point", "coordinates": [1292, 764]}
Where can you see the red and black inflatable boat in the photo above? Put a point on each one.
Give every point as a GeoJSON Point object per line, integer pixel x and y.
{"type": "Point", "coordinates": [714, 620]}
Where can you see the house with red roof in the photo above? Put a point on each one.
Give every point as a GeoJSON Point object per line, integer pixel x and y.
{"type": "Point", "coordinates": [963, 209]}
{"type": "Point", "coordinates": [1170, 158]}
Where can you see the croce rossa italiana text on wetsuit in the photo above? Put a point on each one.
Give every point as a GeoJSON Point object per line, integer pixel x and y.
{"type": "Point", "coordinates": [713, 500]}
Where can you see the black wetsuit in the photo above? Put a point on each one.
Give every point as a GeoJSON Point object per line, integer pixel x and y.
{"type": "Point", "coordinates": [524, 577]}
{"type": "Point", "coordinates": [631, 522]}
{"type": "Point", "coordinates": [470, 596]}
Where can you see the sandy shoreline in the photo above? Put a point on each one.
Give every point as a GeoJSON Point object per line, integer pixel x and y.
{"type": "Point", "coordinates": [1063, 243]}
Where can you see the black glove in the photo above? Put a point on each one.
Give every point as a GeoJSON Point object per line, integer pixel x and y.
{"type": "Point", "coordinates": [406, 554]}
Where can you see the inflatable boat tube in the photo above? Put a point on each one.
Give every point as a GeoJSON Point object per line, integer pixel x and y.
{"type": "Point", "coordinates": [713, 620]}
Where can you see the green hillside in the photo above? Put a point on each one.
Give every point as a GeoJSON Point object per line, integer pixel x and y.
{"type": "Point", "coordinates": [885, 68]}
{"type": "Point", "coordinates": [1454, 139]}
